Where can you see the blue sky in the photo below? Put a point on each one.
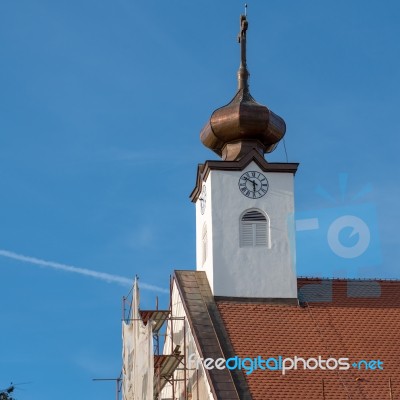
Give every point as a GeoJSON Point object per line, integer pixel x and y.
{"type": "Point", "coordinates": [101, 105]}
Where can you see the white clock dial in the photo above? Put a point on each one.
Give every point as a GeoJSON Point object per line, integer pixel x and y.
{"type": "Point", "coordinates": [253, 184]}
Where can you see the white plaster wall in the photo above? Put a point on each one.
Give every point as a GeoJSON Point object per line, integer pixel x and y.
{"type": "Point", "coordinates": [248, 271]}
{"type": "Point", "coordinates": [197, 380]}
{"type": "Point", "coordinates": [200, 220]}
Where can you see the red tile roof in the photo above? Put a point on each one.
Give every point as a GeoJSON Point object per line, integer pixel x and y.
{"type": "Point", "coordinates": [335, 318]}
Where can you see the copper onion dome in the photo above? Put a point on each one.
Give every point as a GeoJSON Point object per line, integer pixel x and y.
{"type": "Point", "coordinates": [243, 124]}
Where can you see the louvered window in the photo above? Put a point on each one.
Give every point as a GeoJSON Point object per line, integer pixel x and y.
{"type": "Point", "coordinates": [254, 229]}
{"type": "Point", "coordinates": [204, 244]}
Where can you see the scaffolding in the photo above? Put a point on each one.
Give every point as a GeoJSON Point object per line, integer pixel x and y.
{"type": "Point", "coordinates": [166, 366]}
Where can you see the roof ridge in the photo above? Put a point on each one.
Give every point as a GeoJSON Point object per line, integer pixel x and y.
{"type": "Point", "coordinates": [325, 278]}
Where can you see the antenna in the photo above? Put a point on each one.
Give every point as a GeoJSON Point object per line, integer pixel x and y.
{"type": "Point", "coordinates": [245, 9]}
{"type": "Point", "coordinates": [117, 381]}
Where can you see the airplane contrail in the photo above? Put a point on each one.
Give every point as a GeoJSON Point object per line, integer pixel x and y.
{"type": "Point", "coordinates": [110, 278]}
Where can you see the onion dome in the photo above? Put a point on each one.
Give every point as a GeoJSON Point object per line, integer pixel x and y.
{"type": "Point", "coordinates": [242, 125]}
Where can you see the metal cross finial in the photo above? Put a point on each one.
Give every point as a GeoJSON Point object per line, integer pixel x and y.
{"type": "Point", "coordinates": [242, 38]}
{"type": "Point", "coordinates": [243, 73]}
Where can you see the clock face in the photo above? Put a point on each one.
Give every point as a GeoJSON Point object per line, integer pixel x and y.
{"type": "Point", "coordinates": [203, 199]}
{"type": "Point", "coordinates": [253, 184]}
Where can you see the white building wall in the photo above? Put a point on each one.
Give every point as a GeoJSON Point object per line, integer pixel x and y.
{"type": "Point", "coordinates": [248, 271]}
{"type": "Point", "coordinates": [196, 378]}
{"type": "Point", "coordinates": [201, 220]}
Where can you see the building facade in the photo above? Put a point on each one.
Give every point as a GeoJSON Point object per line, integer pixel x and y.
{"type": "Point", "coordinates": [243, 325]}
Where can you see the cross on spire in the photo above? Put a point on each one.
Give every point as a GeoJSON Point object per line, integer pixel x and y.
{"type": "Point", "coordinates": [243, 74]}
{"type": "Point", "coordinates": [242, 38]}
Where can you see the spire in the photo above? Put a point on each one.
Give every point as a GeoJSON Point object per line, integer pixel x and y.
{"type": "Point", "coordinates": [243, 125]}
{"type": "Point", "coordinates": [243, 73]}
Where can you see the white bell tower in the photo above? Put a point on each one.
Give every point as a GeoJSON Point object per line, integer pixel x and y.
{"type": "Point", "coordinates": [245, 232]}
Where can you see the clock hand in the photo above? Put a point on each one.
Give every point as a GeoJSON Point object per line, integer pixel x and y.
{"type": "Point", "coordinates": [253, 182]}
{"type": "Point", "coordinates": [247, 179]}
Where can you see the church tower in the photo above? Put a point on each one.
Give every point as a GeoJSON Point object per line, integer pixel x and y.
{"type": "Point", "coordinates": [245, 233]}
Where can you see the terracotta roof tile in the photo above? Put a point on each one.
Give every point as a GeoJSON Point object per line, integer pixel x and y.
{"type": "Point", "coordinates": [335, 318]}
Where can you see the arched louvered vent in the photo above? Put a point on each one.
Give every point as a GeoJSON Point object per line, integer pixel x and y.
{"type": "Point", "coordinates": [254, 229]}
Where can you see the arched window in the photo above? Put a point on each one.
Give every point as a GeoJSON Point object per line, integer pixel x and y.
{"type": "Point", "coordinates": [204, 244]}
{"type": "Point", "coordinates": [254, 229]}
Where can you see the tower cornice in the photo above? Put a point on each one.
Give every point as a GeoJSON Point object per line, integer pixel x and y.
{"type": "Point", "coordinates": [203, 170]}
